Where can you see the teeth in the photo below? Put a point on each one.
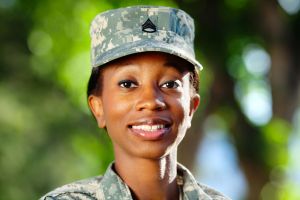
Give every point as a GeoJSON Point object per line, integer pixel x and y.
{"type": "Point", "coordinates": [149, 127]}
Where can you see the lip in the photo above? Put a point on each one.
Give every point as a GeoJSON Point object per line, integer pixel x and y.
{"type": "Point", "coordinates": [150, 128]}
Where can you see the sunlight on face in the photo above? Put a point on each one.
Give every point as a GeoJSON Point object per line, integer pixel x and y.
{"type": "Point", "coordinates": [146, 104]}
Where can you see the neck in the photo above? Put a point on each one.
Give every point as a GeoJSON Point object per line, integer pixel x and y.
{"type": "Point", "coordinates": [145, 175]}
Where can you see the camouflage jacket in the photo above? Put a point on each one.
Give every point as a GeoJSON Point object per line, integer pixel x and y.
{"type": "Point", "coordinates": [110, 186]}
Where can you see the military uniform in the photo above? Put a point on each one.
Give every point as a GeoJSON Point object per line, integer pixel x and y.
{"type": "Point", "coordinates": [122, 32]}
{"type": "Point", "coordinates": [111, 187]}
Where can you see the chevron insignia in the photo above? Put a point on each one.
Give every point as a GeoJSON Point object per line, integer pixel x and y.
{"type": "Point", "coordinates": [148, 26]}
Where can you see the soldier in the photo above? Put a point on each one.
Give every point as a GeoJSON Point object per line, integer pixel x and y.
{"type": "Point", "coordinates": [143, 90]}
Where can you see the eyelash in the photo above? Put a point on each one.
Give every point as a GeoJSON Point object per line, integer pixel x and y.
{"type": "Point", "coordinates": [124, 83]}
{"type": "Point", "coordinates": [175, 84]}
{"type": "Point", "coordinates": [132, 84]}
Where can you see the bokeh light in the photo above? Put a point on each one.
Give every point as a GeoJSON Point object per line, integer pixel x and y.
{"type": "Point", "coordinates": [45, 122]}
{"type": "Point", "coordinates": [250, 68]}
{"type": "Point", "coordinates": [5, 4]}
{"type": "Point", "coordinates": [290, 6]}
{"type": "Point", "coordinates": [257, 60]}
{"type": "Point", "coordinates": [256, 101]}
{"type": "Point", "coordinates": [39, 42]}
{"type": "Point", "coordinates": [217, 160]}
{"type": "Point", "coordinates": [293, 173]}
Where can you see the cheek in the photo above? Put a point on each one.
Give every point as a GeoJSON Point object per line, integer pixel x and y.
{"type": "Point", "coordinates": [181, 115]}
{"type": "Point", "coordinates": [183, 111]}
{"type": "Point", "coordinates": [115, 110]}
{"type": "Point", "coordinates": [180, 110]}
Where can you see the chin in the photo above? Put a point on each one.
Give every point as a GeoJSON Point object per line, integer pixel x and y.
{"type": "Point", "coordinates": [154, 151]}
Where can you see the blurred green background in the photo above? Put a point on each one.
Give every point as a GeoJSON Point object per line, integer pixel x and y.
{"type": "Point", "coordinates": [245, 139]}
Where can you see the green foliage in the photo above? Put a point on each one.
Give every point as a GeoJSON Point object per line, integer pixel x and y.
{"type": "Point", "coordinates": [276, 135]}
{"type": "Point", "coordinates": [48, 136]}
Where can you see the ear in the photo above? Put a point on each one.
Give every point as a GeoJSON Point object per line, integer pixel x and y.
{"type": "Point", "coordinates": [96, 106]}
{"type": "Point", "coordinates": [195, 102]}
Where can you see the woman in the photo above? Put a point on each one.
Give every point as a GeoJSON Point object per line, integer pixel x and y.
{"type": "Point", "coordinates": [144, 91]}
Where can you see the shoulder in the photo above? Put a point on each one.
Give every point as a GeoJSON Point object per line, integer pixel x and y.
{"type": "Point", "coordinates": [83, 189]}
{"type": "Point", "coordinates": [192, 189]}
{"type": "Point", "coordinates": [212, 193]}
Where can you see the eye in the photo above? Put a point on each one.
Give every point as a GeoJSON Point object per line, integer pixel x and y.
{"type": "Point", "coordinates": [127, 84]}
{"type": "Point", "coordinates": [171, 84]}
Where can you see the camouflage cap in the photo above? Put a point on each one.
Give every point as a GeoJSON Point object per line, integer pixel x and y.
{"type": "Point", "coordinates": [124, 31]}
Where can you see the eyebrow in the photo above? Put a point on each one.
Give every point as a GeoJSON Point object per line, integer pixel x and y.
{"type": "Point", "coordinates": [181, 67]}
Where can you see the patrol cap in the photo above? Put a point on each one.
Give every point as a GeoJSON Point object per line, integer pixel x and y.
{"type": "Point", "coordinates": [124, 31]}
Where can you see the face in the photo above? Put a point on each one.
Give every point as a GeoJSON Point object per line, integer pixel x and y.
{"type": "Point", "coordinates": [146, 104]}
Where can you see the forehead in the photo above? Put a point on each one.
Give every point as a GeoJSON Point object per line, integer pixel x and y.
{"type": "Point", "coordinates": [156, 58]}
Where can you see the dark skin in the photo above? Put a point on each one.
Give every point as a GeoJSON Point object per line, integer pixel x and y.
{"type": "Point", "coordinates": [146, 104]}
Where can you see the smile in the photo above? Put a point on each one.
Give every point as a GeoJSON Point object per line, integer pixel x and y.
{"type": "Point", "coordinates": [149, 127]}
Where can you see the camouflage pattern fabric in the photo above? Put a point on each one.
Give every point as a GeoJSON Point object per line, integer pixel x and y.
{"type": "Point", "coordinates": [111, 187]}
{"type": "Point", "coordinates": [124, 31]}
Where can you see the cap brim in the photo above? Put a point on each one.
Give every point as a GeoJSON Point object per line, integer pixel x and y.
{"type": "Point", "coordinates": [143, 46]}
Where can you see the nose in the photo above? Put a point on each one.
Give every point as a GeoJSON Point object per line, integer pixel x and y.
{"type": "Point", "coordinates": [150, 98]}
